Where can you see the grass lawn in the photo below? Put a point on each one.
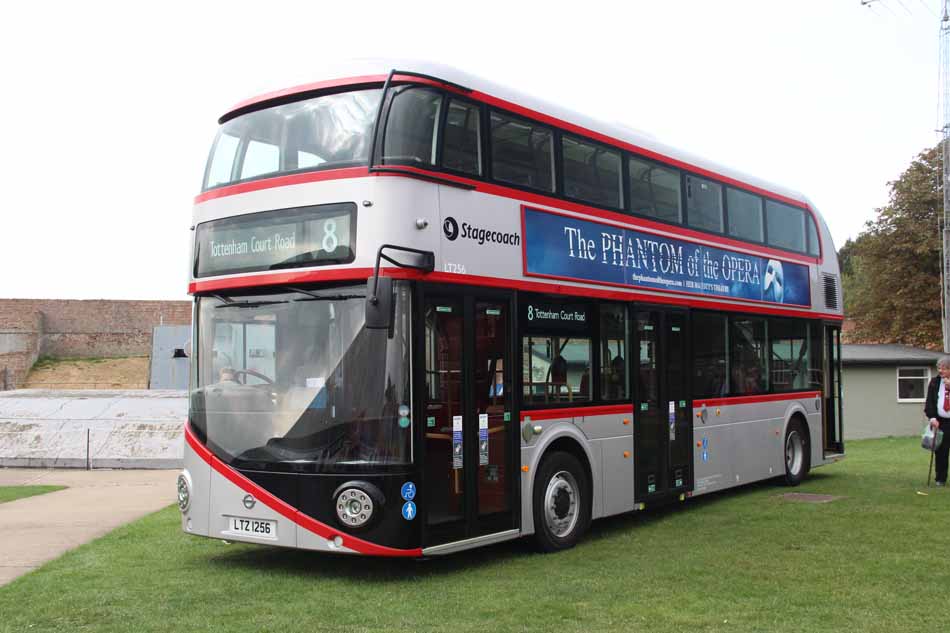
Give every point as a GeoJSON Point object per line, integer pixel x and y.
{"type": "Point", "coordinates": [744, 560]}
{"type": "Point", "coordinates": [11, 493]}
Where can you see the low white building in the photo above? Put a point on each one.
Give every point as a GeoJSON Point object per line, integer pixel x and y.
{"type": "Point", "coordinates": [884, 389]}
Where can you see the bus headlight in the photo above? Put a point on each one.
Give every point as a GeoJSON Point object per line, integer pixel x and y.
{"type": "Point", "coordinates": [184, 491]}
{"type": "Point", "coordinates": [354, 507]}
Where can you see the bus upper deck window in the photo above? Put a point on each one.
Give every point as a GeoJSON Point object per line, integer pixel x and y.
{"type": "Point", "coordinates": [522, 152]}
{"type": "Point", "coordinates": [745, 215]}
{"type": "Point", "coordinates": [655, 190]}
{"type": "Point", "coordinates": [222, 160]}
{"type": "Point", "coordinates": [461, 145]}
{"type": "Point", "coordinates": [704, 204]}
{"type": "Point", "coordinates": [325, 132]}
{"type": "Point", "coordinates": [411, 127]}
{"type": "Point", "coordinates": [814, 247]}
{"type": "Point", "coordinates": [260, 158]}
{"type": "Point", "coordinates": [591, 172]}
{"type": "Point", "coordinates": [785, 226]}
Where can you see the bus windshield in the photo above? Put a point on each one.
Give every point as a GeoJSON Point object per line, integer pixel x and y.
{"type": "Point", "coordinates": [324, 132]}
{"type": "Point", "coordinates": [291, 379]}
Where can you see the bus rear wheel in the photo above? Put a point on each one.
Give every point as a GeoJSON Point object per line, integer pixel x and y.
{"type": "Point", "coordinates": [561, 502]}
{"type": "Point", "coordinates": [797, 460]}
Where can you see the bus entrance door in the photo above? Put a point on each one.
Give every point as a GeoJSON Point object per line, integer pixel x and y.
{"type": "Point", "coordinates": [662, 421]}
{"type": "Point", "coordinates": [468, 429]}
{"type": "Point", "coordinates": [834, 442]}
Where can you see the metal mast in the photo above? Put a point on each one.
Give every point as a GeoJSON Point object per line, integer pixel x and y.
{"type": "Point", "coordinates": [944, 114]}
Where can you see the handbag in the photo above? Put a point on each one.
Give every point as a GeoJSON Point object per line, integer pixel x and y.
{"type": "Point", "coordinates": [930, 439]}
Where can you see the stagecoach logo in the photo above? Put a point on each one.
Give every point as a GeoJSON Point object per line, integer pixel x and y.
{"type": "Point", "coordinates": [451, 228]}
{"type": "Point", "coordinates": [249, 501]}
{"type": "Point", "coordinates": [477, 234]}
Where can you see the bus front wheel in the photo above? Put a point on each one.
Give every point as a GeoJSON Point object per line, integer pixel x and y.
{"type": "Point", "coordinates": [797, 459]}
{"type": "Point", "coordinates": [561, 502]}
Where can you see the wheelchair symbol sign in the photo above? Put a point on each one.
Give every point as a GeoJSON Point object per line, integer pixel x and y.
{"type": "Point", "coordinates": [408, 491]}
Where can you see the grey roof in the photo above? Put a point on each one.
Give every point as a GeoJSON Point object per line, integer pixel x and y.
{"type": "Point", "coordinates": [887, 355]}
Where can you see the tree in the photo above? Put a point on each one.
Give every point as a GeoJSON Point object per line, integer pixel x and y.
{"type": "Point", "coordinates": [891, 272]}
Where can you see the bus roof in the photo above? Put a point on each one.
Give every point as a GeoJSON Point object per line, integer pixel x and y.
{"type": "Point", "coordinates": [376, 70]}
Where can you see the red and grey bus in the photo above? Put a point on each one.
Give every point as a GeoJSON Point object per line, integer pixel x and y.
{"type": "Point", "coordinates": [432, 313]}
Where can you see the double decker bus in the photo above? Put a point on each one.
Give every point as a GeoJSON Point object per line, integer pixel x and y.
{"type": "Point", "coordinates": [432, 313]}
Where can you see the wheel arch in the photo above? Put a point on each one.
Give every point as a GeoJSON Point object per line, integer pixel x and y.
{"type": "Point", "coordinates": [567, 438]}
{"type": "Point", "coordinates": [797, 411]}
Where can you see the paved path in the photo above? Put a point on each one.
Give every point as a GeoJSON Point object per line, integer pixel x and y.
{"type": "Point", "coordinates": [40, 528]}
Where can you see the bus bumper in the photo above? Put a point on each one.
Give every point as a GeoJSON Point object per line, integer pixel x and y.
{"type": "Point", "coordinates": [223, 503]}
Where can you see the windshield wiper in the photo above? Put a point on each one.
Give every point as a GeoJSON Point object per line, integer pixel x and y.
{"type": "Point", "coordinates": [230, 303]}
{"type": "Point", "coordinates": [312, 296]}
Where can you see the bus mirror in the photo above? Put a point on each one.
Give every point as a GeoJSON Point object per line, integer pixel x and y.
{"type": "Point", "coordinates": [380, 303]}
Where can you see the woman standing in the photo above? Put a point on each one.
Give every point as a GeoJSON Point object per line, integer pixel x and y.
{"type": "Point", "coordinates": [937, 409]}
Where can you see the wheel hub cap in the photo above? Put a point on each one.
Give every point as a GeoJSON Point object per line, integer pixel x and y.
{"type": "Point", "coordinates": [561, 504]}
{"type": "Point", "coordinates": [794, 453]}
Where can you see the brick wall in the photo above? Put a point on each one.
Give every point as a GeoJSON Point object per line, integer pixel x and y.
{"type": "Point", "coordinates": [21, 336]}
{"type": "Point", "coordinates": [80, 328]}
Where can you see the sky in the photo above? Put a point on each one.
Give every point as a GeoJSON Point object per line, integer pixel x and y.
{"type": "Point", "coordinates": [110, 108]}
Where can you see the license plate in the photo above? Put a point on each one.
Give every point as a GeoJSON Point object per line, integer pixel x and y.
{"type": "Point", "coordinates": [259, 528]}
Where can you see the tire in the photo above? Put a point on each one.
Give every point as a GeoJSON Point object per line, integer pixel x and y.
{"type": "Point", "coordinates": [797, 453]}
{"type": "Point", "coordinates": [561, 502]}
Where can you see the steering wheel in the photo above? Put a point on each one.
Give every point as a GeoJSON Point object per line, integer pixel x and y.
{"type": "Point", "coordinates": [251, 372]}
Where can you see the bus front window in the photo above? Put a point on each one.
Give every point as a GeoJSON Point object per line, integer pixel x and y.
{"type": "Point", "coordinates": [287, 379]}
{"type": "Point", "coordinates": [324, 132]}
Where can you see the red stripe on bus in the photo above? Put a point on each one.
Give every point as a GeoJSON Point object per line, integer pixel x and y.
{"type": "Point", "coordinates": [614, 409]}
{"type": "Point", "coordinates": [773, 397]}
{"type": "Point", "coordinates": [577, 412]}
{"type": "Point", "coordinates": [288, 511]}
{"type": "Point", "coordinates": [281, 181]}
{"type": "Point", "coordinates": [549, 120]}
{"type": "Point", "coordinates": [354, 274]}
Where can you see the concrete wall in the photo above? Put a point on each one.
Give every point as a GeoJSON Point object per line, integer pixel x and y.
{"type": "Point", "coordinates": [21, 336]}
{"type": "Point", "coordinates": [100, 328]}
{"type": "Point", "coordinates": [98, 429]}
{"type": "Point", "coordinates": [870, 404]}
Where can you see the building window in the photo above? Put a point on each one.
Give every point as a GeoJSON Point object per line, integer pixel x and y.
{"type": "Point", "coordinates": [912, 383]}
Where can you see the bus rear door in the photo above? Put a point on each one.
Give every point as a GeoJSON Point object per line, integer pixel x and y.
{"type": "Point", "coordinates": [663, 426]}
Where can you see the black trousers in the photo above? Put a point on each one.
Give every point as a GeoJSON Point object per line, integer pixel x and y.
{"type": "Point", "coordinates": [943, 451]}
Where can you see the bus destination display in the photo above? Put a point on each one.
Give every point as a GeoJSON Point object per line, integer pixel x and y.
{"type": "Point", "coordinates": [287, 238]}
{"type": "Point", "coordinates": [570, 248]}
